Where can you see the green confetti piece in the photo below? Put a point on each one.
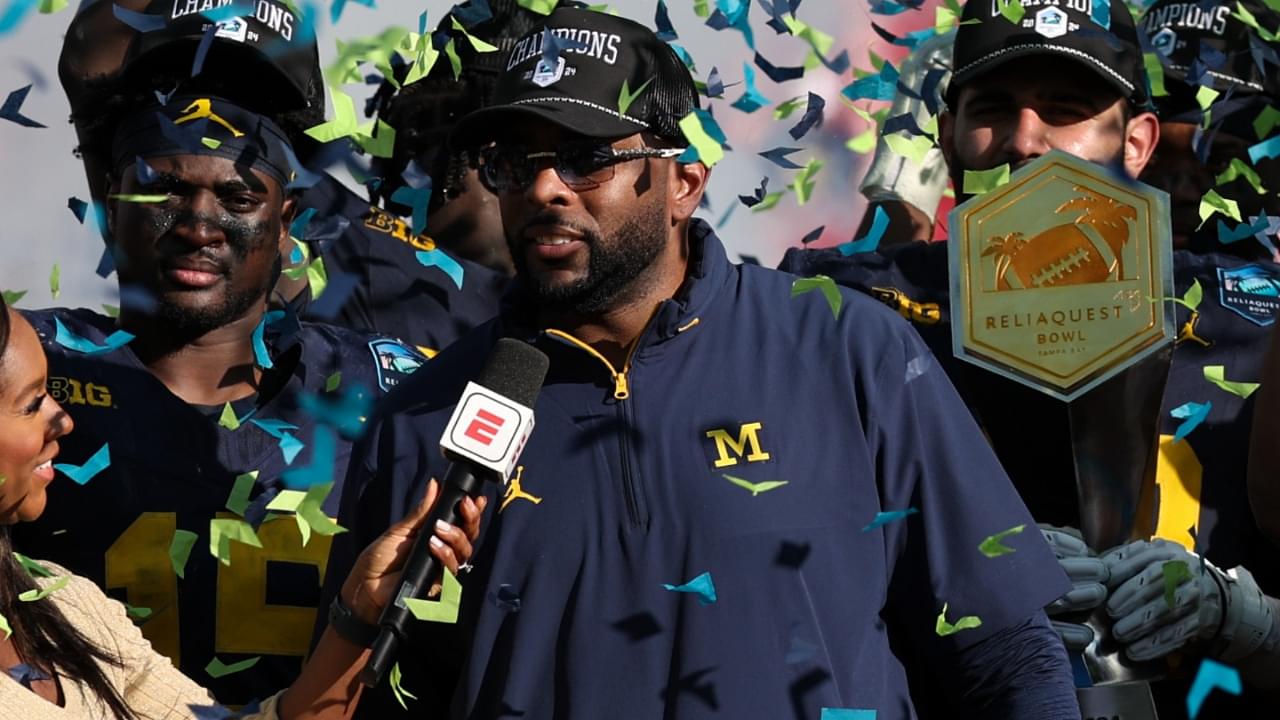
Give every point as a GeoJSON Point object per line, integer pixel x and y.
{"type": "Point", "coordinates": [1175, 571]}
{"type": "Point", "coordinates": [310, 516]}
{"type": "Point", "coordinates": [1243, 15]}
{"type": "Point", "coordinates": [709, 151]}
{"type": "Point", "coordinates": [804, 183]}
{"type": "Point", "coordinates": [977, 182]}
{"type": "Point", "coordinates": [44, 592]}
{"type": "Point", "coordinates": [1266, 121]}
{"type": "Point", "coordinates": [397, 688]}
{"type": "Point", "coordinates": [140, 613]}
{"type": "Point", "coordinates": [456, 62]}
{"type": "Point", "coordinates": [238, 501]}
{"type": "Point", "coordinates": [138, 198]}
{"type": "Point", "coordinates": [1195, 293]}
{"type": "Point", "coordinates": [1216, 374]}
{"type": "Point", "coordinates": [913, 148]}
{"type": "Point", "coordinates": [993, 547]}
{"type": "Point", "coordinates": [223, 530]}
{"type": "Point", "coordinates": [785, 109]}
{"type": "Point", "coordinates": [1212, 203]}
{"type": "Point", "coordinates": [702, 8]}
{"type": "Point", "coordinates": [1237, 169]}
{"type": "Point", "coordinates": [756, 488]}
{"type": "Point", "coordinates": [332, 382]}
{"type": "Point", "coordinates": [442, 610]}
{"type": "Point", "coordinates": [1155, 71]}
{"type": "Point", "coordinates": [49, 7]}
{"type": "Point", "coordinates": [216, 668]}
{"type": "Point", "coordinates": [864, 143]}
{"type": "Point", "coordinates": [479, 45]}
{"type": "Point", "coordinates": [4, 625]}
{"type": "Point", "coordinates": [542, 7]}
{"type": "Point", "coordinates": [111, 310]}
{"type": "Point", "coordinates": [228, 418]}
{"type": "Point", "coordinates": [317, 277]}
{"type": "Point", "coordinates": [55, 281]}
{"type": "Point", "coordinates": [180, 550]}
{"type": "Point", "coordinates": [944, 628]}
{"type": "Point", "coordinates": [13, 296]}
{"type": "Point", "coordinates": [823, 284]}
{"type": "Point", "coordinates": [818, 40]}
{"type": "Point", "coordinates": [768, 202]}
{"type": "Point", "coordinates": [1205, 96]}
{"type": "Point", "coordinates": [379, 142]}
{"type": "Point", "coordinates": [33, 568]}
{"type": "Point", "coordinates": [343, 123]}
{"type": "Point", "coordinates": [1012, 10]}
{"type": "Point", "coordinates": [626, 97]}
{"type": "Point", "coordinates": [210, 143]}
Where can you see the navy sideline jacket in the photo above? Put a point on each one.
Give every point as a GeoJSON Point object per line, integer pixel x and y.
{"type": "Point", "coordinates": [173, 467]}
{"type": "Point", "coordinates": [1200, 499]}
{"type": "Point", "coordinates": [751, 436]}
{"type": "Point", "coordinates": [395, 295]}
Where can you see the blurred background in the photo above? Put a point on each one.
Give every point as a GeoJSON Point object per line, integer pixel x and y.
{"type": "Point", "coordinates": [39, 232]}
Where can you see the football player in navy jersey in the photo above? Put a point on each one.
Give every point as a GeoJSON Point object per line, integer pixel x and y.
{"type": "Point", "coordinates": [385, 285]}
{"type": "Point", "coordinates": [1006, 112]}
{"type": "Point", "coordinates": [197, 407]}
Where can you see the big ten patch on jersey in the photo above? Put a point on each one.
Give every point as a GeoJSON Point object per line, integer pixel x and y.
{"type": "Point", "coordinates": [394, 362]}
{"type": "Point", "coordinates": [388, 224]}
{"type": "Point", "coordinates": [77, 391]}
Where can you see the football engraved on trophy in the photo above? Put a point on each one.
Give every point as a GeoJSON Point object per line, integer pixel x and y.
{"type": "Point", "coordinates": [1057, 277]}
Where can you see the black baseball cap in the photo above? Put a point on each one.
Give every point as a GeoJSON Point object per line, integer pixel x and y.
{"type": "Point", "coordinates": [1065, 30]}
{"type": "Point", "coordinates": [267, 49]}
{"type": "Point", "coordinates": [1204, 43]}
{"type": "Point", "coordinates": [580, 91]}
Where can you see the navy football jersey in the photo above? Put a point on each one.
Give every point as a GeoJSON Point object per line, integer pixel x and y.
{"type": "Point", "coordinates": [395, 294]}
{"type": "Point", "coordinates": [173, 467]}
{"type": "Point", "coordinates": [1199, 498]}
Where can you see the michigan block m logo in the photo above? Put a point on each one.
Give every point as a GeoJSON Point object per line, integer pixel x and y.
{"type": "Point", "coordinates": [731, 449]}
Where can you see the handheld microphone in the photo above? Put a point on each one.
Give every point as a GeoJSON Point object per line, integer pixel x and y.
{"type": "Point", "coordinates": [483, 441]}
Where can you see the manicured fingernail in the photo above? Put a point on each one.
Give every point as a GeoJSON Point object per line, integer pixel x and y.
{"type": "Point", "coordinates": [436, 542]}
{"type": "Point", "coordinates": [444, 527]}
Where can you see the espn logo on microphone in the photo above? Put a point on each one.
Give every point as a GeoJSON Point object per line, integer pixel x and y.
{"type": "Point", "coordinates": [488, 429]}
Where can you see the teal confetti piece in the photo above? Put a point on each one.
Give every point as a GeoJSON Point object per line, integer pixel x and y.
{"type": "Point", "coordinates": [884, 518]}
{"type": "Point", "coordinates": [1266, 149]}
{"type": "Point", "coordinates": [871, 241]}
{"type": "Point", "coordinates": [260, 355]}
{"type": "Point", "coordinates": [847, 714]}
{"type": "Point", "coordinates": [1102, 13]}
{"type": "Point", "coordinates": [323, 457]}
{"type": "Point", "coordinates": [702, 586]}
{"type": "Point", "coordinates": [752, 99]}
{"type": "Point", "coordinates": [881, 86]}
{"type": "Point", "coordinates": [82, 474]}
{"type": "Point", "coordinates": [1228, 235]}
{"type": "Point", "coordinates": [1211, 676]}
{"type": "Point", "coordinates": [71, 341]}
{"type": "Point", "coordinates": [440, 259]}
{"type": "Point", "coordinates": [1191, 414]}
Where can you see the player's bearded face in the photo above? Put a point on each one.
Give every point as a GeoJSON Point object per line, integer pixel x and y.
{"type": "Point", "coordinates": [207, 254]}
{"type": "Point", "coordinates": [1021, 110]}
{"type": "Point", "coordinates": [589, 250]}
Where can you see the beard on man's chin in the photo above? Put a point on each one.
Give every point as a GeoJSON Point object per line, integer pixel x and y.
{"type": "Point", "coordinates": [615, 267]}
{"type": "Point", "coordinates": [193, 321]}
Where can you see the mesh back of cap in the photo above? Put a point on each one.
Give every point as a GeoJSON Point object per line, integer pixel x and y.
{"type": "Point", "coordinates": [671, 96]}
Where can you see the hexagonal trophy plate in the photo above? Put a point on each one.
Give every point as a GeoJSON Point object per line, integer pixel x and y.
{"type": "Point", "coordinates": [1056, 276]}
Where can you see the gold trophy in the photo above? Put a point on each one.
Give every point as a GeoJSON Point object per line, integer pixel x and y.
{"type": "Point", "coordinates": [1059, 281]}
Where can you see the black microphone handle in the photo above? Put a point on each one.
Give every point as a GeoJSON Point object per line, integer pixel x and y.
{"type": "Point", "coordinates": [460, 480]}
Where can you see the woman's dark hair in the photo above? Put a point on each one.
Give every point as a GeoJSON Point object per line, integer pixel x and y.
{"type": "Point", "coordinates": [41, 634]}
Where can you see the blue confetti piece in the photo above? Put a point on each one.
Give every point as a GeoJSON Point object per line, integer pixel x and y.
{"type": "Point", "coordinates": [715, 85]}
{"type": "Point", "coordinates": [320, 470]}
{"type": "Point", "coordinates": [106, 263]}
{"type": "Point", "coordinates": [700, 586]}
{"type": "Point", "coordinates": [882, 86]}
{"type": "Point", "coordinates": [260, 355]}
{"type": "Point", "coordinates": [12, 108]}
{"type": "Point", "coordinates": [415, 176]}
{"type": "Point", "coordinates": [1268, 148]}
{"type": "Point", "coordinates": [1102, 13]}
{"type": "Point", "coordinates": [470, 14]}
{"type": "Point", "coordinates": [662, 23]}
{"type": "Point", "coordinates": [1211, 676]}
{"type": "Point", "coordinates": [82, 474]}
{"type": "Point", "coordinates": [145, 173]}
{"type": "Point", "coordinates": [302, 177]}
{"type": "Point", "coordinates": [872, 240]}
{"type": "Point", "coordinates": [418, 199]}
{"type": "Point", "coordinates": [72, 341]}
{"type": "Point", "coordinates": [812, 117]}
{"type": "Point", "coordinates": [236, 9]}
{"type": "Point", "coordinates": [776, 73]}
{"type": "Point", "coordinates": [890, 7]}
{"type": "Point", "coordinates": [346, 411]}
{"type": "Point", "coordinates": [1191, 414]}
{"type": "Point", "coordinates": [25, 674]}
{"type": "Point", "coordinates": [440, 259]}
{"type": "Point", "coordinates": [552, 45]}
{"type": "Point", "coordinates": [752, 99]}
{"type": "Point", "coordinates": [78, 208]}
{"type": "Point", "coordinates": [847, 714]}
{"type": "Point", "coordinates": [142, 22]}
{"type": "Point", "coordinates": [684, 56]}
{"type": "Point", "coordinates": [778, 156]}
{"type": "Point", "coordinates": [298, 228]}
{"type": "Point", "coordinates": [1227, 235]}
{"type": "Point", "coordinates": [202, 50]}
{"type": "Point", "coordinates": [884, 518]}
{"type": "Point", "coordinates": [290, 446]}
{"type": "Point", "coordinates": [274, 428]}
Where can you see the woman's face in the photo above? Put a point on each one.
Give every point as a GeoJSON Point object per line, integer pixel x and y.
{"type": "Point", "coordinates": [30, 424]}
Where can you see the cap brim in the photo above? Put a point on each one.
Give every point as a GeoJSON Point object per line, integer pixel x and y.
{"type": "Point", "coordinates": [272, 90]}
{"type": "Point", "coordinates": [992, 60]}
{"type": "Point", "coordinates": [575, 116]}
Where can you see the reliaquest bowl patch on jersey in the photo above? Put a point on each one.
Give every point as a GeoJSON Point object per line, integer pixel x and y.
{"type": "Point", "coordinates": [1251, 291]}
{"type": "Point", "coordinates": [395, 362]}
